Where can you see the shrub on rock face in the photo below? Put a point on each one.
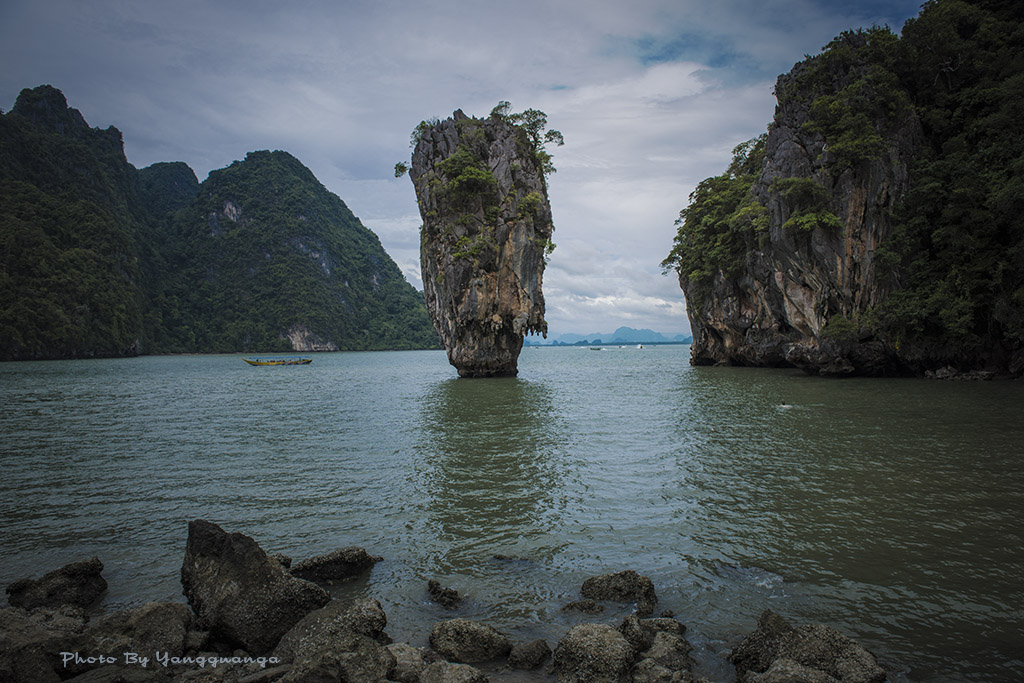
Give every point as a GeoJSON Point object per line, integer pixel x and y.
{"type": "Point", "coordinates": [627, 586]}
{"type": "Point", "coordinates": [78, 584]}
{"type": "Point", "coordinates": [593, 653]}
{"type": "Point", "coordinates": [812, 646]}
{"type": "Point", "coordinates": [238, 593]}
{"type": "Point", "coordinates": [462, 640]}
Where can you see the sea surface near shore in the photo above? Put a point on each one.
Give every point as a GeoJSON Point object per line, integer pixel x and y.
{"type": "Point", "coordinates": [889, 509]}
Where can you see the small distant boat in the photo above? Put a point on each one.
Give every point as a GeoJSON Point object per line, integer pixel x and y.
{"type": "Point", "coordinates": [288, 360]}
{"type": "Point", "coordinates": [595, 348]}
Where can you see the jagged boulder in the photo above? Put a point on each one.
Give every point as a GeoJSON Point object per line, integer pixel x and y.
{"type": "Point", "coordinates": [529, 655]}
{"type": "Point", "coordinates": [448, 672]}
{"type": "Point", "coordinates": [410, 662]}
{"type": "Point", "coordinates": [486, 227]}
{"type": "Point", "coordinates": [30, 642]}
{"type": "Point", "coordinates": [77, 584]}
{"type": "Point", "coordinates": [462, 640]}
{"type": "Point", "coordinates": [593, 653]}
{"type": "Point", "coordinates": [342, 564]}
{"type": "Point", "coordinates": [778, 645]}
{"type": "Point", "coordinates": [626, 586]}
{"type": "Point", "coordinates": [338, 640]}
{"type": "Point", "coordinates": [237, 592]}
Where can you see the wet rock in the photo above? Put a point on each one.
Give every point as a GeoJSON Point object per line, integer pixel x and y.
{"type": "Point", "coordinates": [409, 662]}
{"type": "Point", "coordinates": [662, 647]}
{"type": "Point", "coordinates": [593, 653]}
{"type": "Point", "coordinates": [282, 560]}
{"type": "Point", "coordinates": [448, 598]}
{"type": "Point", "coordinates": [30, 642]}
{"type": "Point", "coordinates": [529, 655]}
{"type": "Point", "coordinates": [627, 586]}
{"type": "Point", "coordinates": [347, 657]}
{"type": "Point", "coordinates": [447, 672]}
{"type": "Point", "coordinates": [670, 651]}
{"type": "Point", "coordinates": [649, 671]}
{"type": "Point", "coordinates": [346, 563]}
{"type": "Point", "coordinates": [949, 372]}
{"type": "Point", "coordinates": [486, 224]}
{"type": "Point", "coordinates": [122, 674]}
{"type": "Point", "coordinates": [77, 584]}
{"type": "Point", "coordinates": [813, 646]}
{"type": "Point", "coordinates": [462, 640]}
{"type": "Point", "coordinates": [788, 671]}
{"type": "Point", "coordinates": [585, 606]}
{"type": "Point", "coordinates": [167, 627]}
{"type": "Point", "coordinates": [238, 593]}
{"type": "Point", "coordinates": [641, 632]}
{"type": "Point", "coordinates": [333, 623]}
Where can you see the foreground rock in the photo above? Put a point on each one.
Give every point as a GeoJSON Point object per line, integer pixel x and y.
{"type": "Point", "coordinates": [242, 596]}
{"type": "Point", "coordinates": [777, 652]}
{"type": "Point", "coordinates": [661, 644]}
{"type": "Point", "coordinates": [30, 641]}
{"type": "Point", "coordinates": [338, 642]}
{"type": "Point", "coordinates": [593, 653]}
{"type": "Point", "coordinates": [410, 662]}
{"type": "Point", "coordinates": [448, 672]}
{"type": "Point", "coordinates": [78, 584]}
{"type": "Point", "coordinates": [462, 640]}
{"type": "Point", "coordinates": [529, 655]}
{"type": "Point", "coordinates": [343, 564]}
{"type": "Point", "coordinates": [486, 225]}
{"type": "Point", "coordinates": [166, 627]}
{"type": "Point", "coordinates": [627, 586]}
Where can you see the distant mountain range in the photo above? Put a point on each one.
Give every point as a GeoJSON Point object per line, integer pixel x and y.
{"type": "Point", "coordinates": [623, 335]}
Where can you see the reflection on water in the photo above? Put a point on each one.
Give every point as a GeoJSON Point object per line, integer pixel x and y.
{"type": "Point", "coordinates": [489, 466]}
{"type": "Point", "coordinates": [890, 509]}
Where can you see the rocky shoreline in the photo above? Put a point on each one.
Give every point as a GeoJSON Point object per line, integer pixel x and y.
{"type": "Point", "coordinates": [257, 618]}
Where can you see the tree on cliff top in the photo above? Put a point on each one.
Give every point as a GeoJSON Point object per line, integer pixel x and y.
{"type": "Point", "coordinates": [533, 122]}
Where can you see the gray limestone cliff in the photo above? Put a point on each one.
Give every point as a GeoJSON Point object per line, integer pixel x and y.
{"type": "Point", "coordinates": [823, 205]}
{"type": "Point", "coordinates": [486, 229]}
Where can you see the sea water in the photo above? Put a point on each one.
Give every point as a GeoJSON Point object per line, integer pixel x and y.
{"type": "Point", "coordinates": [891, 509]}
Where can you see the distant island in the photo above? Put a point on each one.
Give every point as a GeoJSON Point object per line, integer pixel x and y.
{"type": "Point", "coordinates": [623, 335]}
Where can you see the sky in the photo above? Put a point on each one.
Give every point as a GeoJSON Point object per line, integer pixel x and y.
{"type": "Point", "coordinates": [651, 97]}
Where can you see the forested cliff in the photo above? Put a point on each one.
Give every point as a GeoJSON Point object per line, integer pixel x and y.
{"type": "Point", "coordinates": [98, 258]}
{"type": "Point", "coordinates": [487, 226]}
{"type": "Point", "coordinates": [876, 228]}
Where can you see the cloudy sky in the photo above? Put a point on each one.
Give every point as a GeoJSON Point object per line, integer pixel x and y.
{"type": "Point", "coordinates": [651, 96]}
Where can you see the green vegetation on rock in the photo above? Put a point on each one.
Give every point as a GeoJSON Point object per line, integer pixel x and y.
{"type": "Point", "coordinates": [721, 223]}
{"type": "Point", "coordinates": [100, 259]}
{"type": "Point", "coordinates": [951, 266]}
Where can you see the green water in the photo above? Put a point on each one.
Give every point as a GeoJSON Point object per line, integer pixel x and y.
{"type": "Point", "coordinates": [890, 509]}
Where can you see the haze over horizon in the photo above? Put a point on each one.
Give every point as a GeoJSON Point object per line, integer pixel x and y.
{"type": "Point", "coordinates": [651, 98]}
